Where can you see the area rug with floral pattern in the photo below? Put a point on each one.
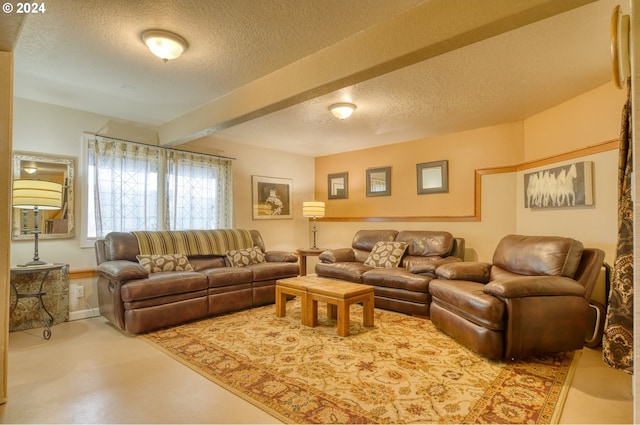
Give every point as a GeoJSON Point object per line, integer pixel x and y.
{"type": "Point", "coordinates": [402, 370]}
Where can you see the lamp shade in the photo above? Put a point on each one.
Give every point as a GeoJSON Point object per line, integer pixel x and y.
{"type": "Point", "coordinates": [164, 44]}
{"type": "Point", "coordinates": [28, 194]}
{"type": "Point", "coordinates": [313, 209]}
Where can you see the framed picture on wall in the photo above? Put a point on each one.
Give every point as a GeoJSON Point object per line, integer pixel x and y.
{"type": "Point", "coordinates": [433, 177]}
{"type": "Point", "coordinates": [271, 198]}
{"type": "Point", "coordinates": [567, 186]}
{"type": "Point", "coordinates": [379, 181]}
{"type": "Point", "coordinates": [338, 186]}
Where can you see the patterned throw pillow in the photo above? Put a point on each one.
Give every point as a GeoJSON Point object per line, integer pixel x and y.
{"type": "Point", "coordinates": [245, 257]}
{"type": "Point", "coordinates": [386, 254]}
{"type": "Point", "coordinates": [155, 263]}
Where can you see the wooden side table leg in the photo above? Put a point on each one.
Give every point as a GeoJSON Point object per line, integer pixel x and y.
{"type": "Point", "coordinates": [281, 302]}
{"type": "Point", "coordinates": [343, 318]}
{"type": "Point", "coordinates": [367, 311]}
{"type": "Point", "coordinates": [303, 265]}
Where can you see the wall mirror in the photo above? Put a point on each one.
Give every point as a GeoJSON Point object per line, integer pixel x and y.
{"type": "Point", "coordinates": [379, 181]}
{"type": "Point", "coordinates": [433, 177]}
{"type": "Point", "coordinates": [338, 186]}
{"type": "Point", "coordinates": [53, 224]}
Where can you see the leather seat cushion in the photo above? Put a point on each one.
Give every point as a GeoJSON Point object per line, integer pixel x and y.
{"type": "Point", "coordinates": [396, 277]}
{"type": "Point", "coordinates": [270, 271]}
{"type": "Point", "coordinates": [467, 300]}
{"type": "Point", "coordinates": [349, 271]}
{"type": "Point", "coordinates": [162, 284]}
{"type": "Point", "coordinates": [228, 276]}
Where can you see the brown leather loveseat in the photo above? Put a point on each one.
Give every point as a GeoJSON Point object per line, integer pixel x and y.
{"type": "Point", "coordinates": [185, 275]}
{"type": "Point", "coordinates": [404, 288]}
{"type": "Point", "coordinates": [532, 300]}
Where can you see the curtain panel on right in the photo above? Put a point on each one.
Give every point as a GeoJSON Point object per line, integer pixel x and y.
{"type": "Point", "coordinates": [617, 343]}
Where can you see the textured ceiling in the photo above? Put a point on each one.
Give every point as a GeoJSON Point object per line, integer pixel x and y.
{"type": "Point", "coordinates": [87, 54]}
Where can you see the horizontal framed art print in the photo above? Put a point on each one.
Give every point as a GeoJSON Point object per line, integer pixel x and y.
{"type": "Point", "coordinates": [271, 198]}
{"type": "Point", "coordinates": [569, 185]}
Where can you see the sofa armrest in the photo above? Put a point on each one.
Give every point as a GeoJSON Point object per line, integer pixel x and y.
{"type": "Point", "coordinates": [474, 271]}
{"type": "Point", "coordinates": [339, 255]}
{"type": "Point", "coordinates": [532, 286]}
{"type": "Point", "coordinates": [428, 264]}
{"type": "Point", "coordinates": [280, 257]}
{"type": "Point", "coordinates": [122, 270]}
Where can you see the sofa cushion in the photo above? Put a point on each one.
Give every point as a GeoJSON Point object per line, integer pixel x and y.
{"type": "Point", "coordinates": [245, 257]}
{"type": "Point", "coordinates": [386, 254]}
{"type": "Point", "coordinates": [349, 271]}
{"type": "Point", "coordinates": [397, 278]}
{"type": "Point", "coordinates": [425, 242]}
{"type": "Point", "coordinates": [163, 284]}
{"type": "Point", "coordinates": [155, 263]}
{"type": "Point", "coordinates": [365, 239]}
{"type": "Point", "coordinates": [272, 271]}
{"type": "Point", "coordinates": [538, 255]}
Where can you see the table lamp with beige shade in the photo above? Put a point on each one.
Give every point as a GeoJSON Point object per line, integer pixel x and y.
{"type": "Point", "coordinates": [313, 209]}
{"type": "Point", "coordinates": [36, 195]}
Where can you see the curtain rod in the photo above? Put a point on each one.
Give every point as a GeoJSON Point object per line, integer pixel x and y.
{"type": "Point", "coordinates": [156, 146]}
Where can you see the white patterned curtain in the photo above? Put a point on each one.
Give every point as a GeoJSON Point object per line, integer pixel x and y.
{"type": "Point", "coordinates": [143, 187]}
{"type": "Point", "coordinates": [198, 191]}
{"type": "Point", "coordinates": [125, 182]}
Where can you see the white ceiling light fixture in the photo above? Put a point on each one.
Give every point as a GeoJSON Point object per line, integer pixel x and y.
{"type": "Point", "coordinates": [342, 111]}
{"type": "Point", "coordinates": [164, 44]}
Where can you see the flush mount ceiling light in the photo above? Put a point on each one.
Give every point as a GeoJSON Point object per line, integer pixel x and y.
{"type": "Point", "coordinates": [164, 44]}
{"type": "Point", "coordinates": [342, 111]}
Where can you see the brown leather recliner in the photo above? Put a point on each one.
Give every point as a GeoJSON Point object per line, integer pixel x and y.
{"type": "Point", "coordinates": [532, 300]}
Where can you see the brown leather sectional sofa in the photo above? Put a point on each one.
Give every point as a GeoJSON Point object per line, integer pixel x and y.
{"type": "Point", "coordinates": [405, 288]}
{"type": "Point", "coordinates": [137, 301]}
{"type": "Point", "coordinates": [532, 300]}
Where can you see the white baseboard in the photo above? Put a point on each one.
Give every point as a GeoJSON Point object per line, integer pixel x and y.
{"type": "Point", "coordinates": [84, 314]}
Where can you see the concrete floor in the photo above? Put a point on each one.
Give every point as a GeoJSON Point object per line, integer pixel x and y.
{"type": "Point", "coordinates": [89, 372]}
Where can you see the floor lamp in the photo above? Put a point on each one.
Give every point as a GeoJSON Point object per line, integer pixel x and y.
{"type": "Point", "coordinates": [36, 195]}
{"type": "Point", "coordinates": [312, 209]}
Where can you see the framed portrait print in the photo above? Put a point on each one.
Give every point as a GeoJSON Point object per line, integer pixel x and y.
{"type": "Point", "coordinates": [379, 181]}
{"type": "Point", "coordinates": [271, 198]}
{"type": "Point", "coordinates": [338, 186]}
{"type": "Point", "coordinates": [433, 177]}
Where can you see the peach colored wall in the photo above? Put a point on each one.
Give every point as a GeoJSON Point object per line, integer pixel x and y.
{"type": "Point", "coordinates": [588, 119]}
{"type": "Point", "coordinates": [465, 151]}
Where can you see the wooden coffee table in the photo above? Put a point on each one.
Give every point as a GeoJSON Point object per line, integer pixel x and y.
{"type": "Point", "coordinates": [296, 286]}
{"type": "Point", "coordinates": [339, 296]}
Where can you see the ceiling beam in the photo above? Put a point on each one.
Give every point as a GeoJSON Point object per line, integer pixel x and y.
{"type": "Point", "coordinates": [430, 29]}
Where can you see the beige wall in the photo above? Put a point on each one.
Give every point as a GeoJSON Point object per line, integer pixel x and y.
{"type": "Point", "coordinates": [592, 118]}
{"type": "Point", "coordinates": [59, 131]}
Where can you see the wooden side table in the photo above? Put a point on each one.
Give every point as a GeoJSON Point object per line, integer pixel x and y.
{"type": "Point", "coordinates": [303, 253]}
{"type": "Point", "coordinates": [32, 280]}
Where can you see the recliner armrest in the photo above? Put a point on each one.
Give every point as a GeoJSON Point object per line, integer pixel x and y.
{"type": "Point", "coordinates": [337, 255]}
{"type": "Point", "coordinates": [122, 270]}
{"type": "Point", "coordinates": [474, 271]}
{"type": "Point", "coordinates": [280, 257]}
{"type": "Point", "coordinates": [532, 286]}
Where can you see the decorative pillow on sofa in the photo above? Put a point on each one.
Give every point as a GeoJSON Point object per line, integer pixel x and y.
{"type": "Point", "coordinates": [386, 254]}
{"type": "Point", "coordinates": [155, 263]}
{"type": "Point", "coordinates": [245, 257]}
